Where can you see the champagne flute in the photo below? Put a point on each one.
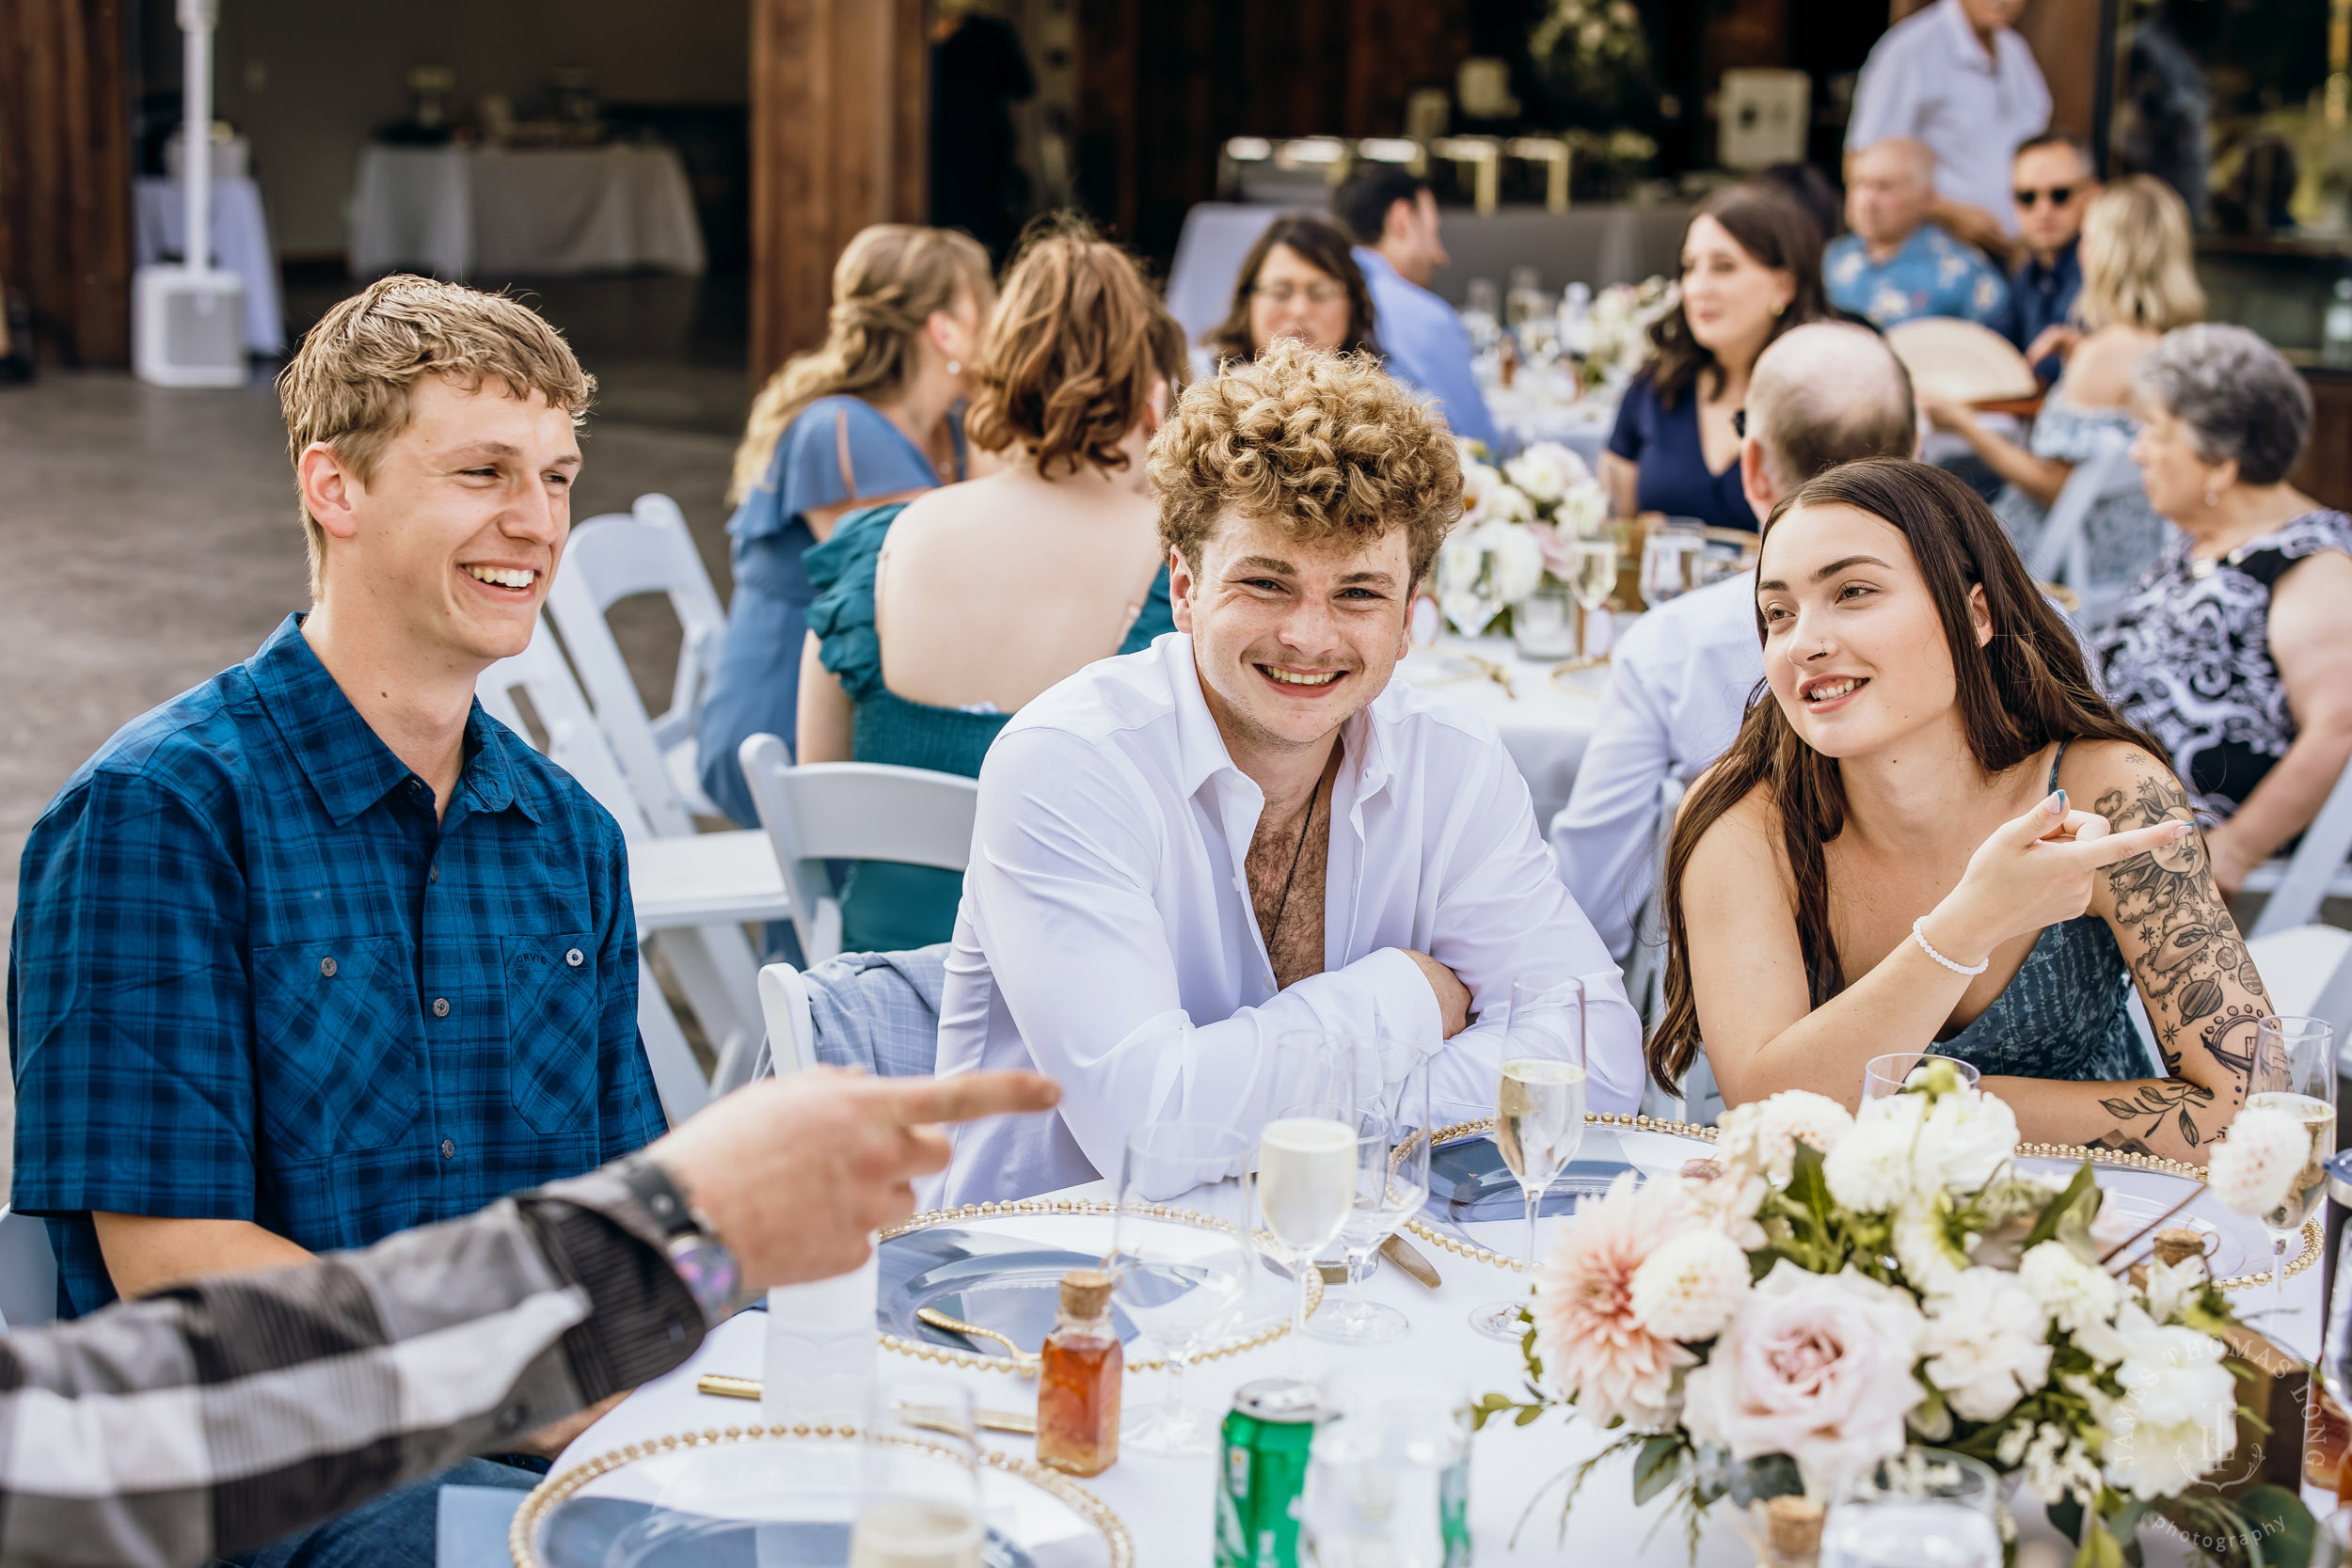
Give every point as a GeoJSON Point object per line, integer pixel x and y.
{"type": "Point", "coordinates": [919, 1493]}
{"type": "Point", "coordinates": [1307, 1158]}
{"type": "Point", "coordinates": [1392, 1184]}
{"type": "Point", "coordinates": [1592, 577]}
{"type": "Point", "coordinates": [1182, 1283]}
{"type": "Point", "coordinates": [2295, 1073]}
{"type": "Point", "coordinates": [1539, 1109]}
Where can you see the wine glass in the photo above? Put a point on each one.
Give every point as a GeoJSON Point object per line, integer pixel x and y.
{"type": "Point", "coordinates": [1182, 1283]}
{"type": "Point", "coordinates": [1539, 1109]}
{"type": "Point", "coordinates": [2295, 1071]}
{"type": "Point", "coordinates": [1468, 590]}
{"type": "Point", "coordinates": [1925, 1507]}
{"type": "Point", "coordinates": [1670, 564]}
{"type": "Point", "coordinates": [1392, 1184]}
{"type": "Point", "coordinates": [1305, 1181]}
{"type": "Point", "coordinates": [1887, 1074]}
{"type": "Point", "coordinates": [1592, 577]}
{"type": "Point", "coordinates": [919, 1486]}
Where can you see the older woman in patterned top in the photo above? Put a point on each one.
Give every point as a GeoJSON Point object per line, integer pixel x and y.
{"type": "Point", "coordinates": [2234, 649]}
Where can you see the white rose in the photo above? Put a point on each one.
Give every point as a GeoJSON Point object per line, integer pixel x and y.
{"type": "Point", "coordinates": [1547, 470]}
{"type": "Point", "coordinates": [1876, 1168]}
{"type": "Point", "coordinates": [2255, 1168]}
{"type": "Point", "coordinates": [1508, 504]}
{"type": "Point", "coordinates": [2177, 1417]}
{"type": "Point", "coordinates": [1987, 1344]}
{"type": "Point", "coordinates": [1518, 560]}
{"type": "Point", "coordinates": [1582, 509]}
{"type": "Point", "coordinates": [1924, 1247]}
{"type": "Point", "coordinates": [1762, 1136]}
{"type": "Point", "coordinates": [1479, 481]}
{"type": "Point", "coordinates": [1690, 1286]}
{"type": "Point", "coordinates": [1968, 1137]}
{"type": "Point", "coordinates": [2080, 1297]}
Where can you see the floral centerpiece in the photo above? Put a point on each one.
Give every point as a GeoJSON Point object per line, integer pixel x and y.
{"type": "Point", "coordinates": [1518, 527]}
{"type": "Point", "coordinates": [1836, 1288]}
{"type": "Point", "coordinates": [1622, 315]}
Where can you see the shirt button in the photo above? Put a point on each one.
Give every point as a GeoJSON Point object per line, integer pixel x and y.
{"type": "Point", "coordinates": [575, 958]}
{"type": "Point", "coordinates": [449, 1148]}
{"type": "Point", "coordinates": [433, 874]}
{"type": "Point", "coordinates": [440, 1006]}
{"type": "Point", "coordinates": [327, 968]}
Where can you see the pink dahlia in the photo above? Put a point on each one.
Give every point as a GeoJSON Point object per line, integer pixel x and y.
{"type": "Point", "coordinates": [1594, 1350]}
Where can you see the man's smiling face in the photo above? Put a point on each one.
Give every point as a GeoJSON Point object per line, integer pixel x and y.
{"type": "Point", "coordinates": [1292, 639]}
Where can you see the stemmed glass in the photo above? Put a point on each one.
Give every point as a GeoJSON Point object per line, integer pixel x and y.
{"type": "Point", "coordinates": [1592, 577]}
{"type": "Point", "coordinates": [2295, 1071]}
{"type": "Point", "coordinates": [919, 1491]}
{"type": "Point", "coordinates": [1181, 1282]}
{"type": "Point", "coordinates": [1392, 1184]}
{"type": "Point", "coordinates": [1670, 564]}
{"type": "Point", "coordinates": [1924, 1507]}
{"type": "Point", "coordinates": [1306, 1183]}
{"type": "Point", "coordinates": [1467, 589]}
{"type": "Point", "coordinates": [1539, 1109]}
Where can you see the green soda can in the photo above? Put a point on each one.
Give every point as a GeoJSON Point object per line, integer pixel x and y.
{"type": "Point", "coordinates": [1267, 1435]}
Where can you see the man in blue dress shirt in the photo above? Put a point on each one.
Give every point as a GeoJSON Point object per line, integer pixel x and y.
{"type": "Point", "coordinates": [318, 951]}
{"type": "Point", "coordinates": [2052, 183]}
{"type": "Point", "coordinates": [1393, 217]}
{"type": "Point", "coordinates": [1897, 266]}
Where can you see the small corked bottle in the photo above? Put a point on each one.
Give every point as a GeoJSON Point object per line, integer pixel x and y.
{"type": "Point", "coordinates": [1077, 1385]}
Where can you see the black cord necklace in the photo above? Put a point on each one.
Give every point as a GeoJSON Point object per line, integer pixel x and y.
{"type": "Point", "coordinates": [1284, 902]}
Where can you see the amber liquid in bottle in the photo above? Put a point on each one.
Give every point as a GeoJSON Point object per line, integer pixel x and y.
{"type": "Point", "coordinates": [1077, 1385]}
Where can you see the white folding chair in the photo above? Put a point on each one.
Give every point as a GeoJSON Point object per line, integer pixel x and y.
{"type": "Point", "coordinates": [689, 893]}
{"type": "Point", "coordinates": [2063, 552]}
{"type": "Point", "coordinates": [859, 811]}
{"type": "Point", "coordinates": [791, 1031]}
{"type": "Point", "coordinates": [2316, 870]}
{"type": "Point", "coordinates": [612, 557]}
{"type": "Point", "coordinates": [2308, 972]}
{"type": "Point", "coordinates": [28, 1272]}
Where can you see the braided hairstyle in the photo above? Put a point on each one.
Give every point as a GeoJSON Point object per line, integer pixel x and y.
{"type": "Point", "coordinates": [889, 280]}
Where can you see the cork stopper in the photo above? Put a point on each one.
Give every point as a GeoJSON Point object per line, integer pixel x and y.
{"type": "Point", "coordinates": [1086, 1294]}
{"type": "Point", "coordinates": [2178, 1243]}
{"type": "Point", "coordinates": [1793, 1526]}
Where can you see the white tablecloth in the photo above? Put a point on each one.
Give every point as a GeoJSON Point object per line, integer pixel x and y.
{"type": "Point", "coordinates": [240, 245]}
{"type": "Point", "coordinates": [1167, 1504]}
{"type": "Point", "coordinates": [499, 212]}
{"type": "Point", "coordinates": [1582, 426]}
{"type": "Point", "coordinates": [1546, 723]}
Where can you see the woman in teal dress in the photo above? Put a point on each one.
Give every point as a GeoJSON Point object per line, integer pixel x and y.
{"type": "Point", "coordinates": [935, 620]}
{"type": "Point", "coordinates": [1892, 857]}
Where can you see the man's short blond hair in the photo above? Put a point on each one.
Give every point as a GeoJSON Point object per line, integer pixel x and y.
{"type": "Point", "coordinates": [349, 384]}
{"type": "Point", "coordinates": [1325, 445]}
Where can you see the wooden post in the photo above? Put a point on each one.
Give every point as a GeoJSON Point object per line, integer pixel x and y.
{"type": "Point", "coordinates": [837, 125]}
{"type": "Point", "coordinates": [64, 173]}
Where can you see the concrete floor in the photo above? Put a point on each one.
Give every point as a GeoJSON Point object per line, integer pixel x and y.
{"type": "Point", "coordinates": [148, 539]}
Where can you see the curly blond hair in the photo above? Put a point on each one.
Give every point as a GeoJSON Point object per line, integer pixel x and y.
{"type": "Point", "coordinates": [348, 385]}
{"type": "Point", "coordinates": [1325, 444]}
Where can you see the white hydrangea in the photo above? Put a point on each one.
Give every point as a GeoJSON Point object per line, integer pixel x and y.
{"type": "Point", "coordinates": [1876, 1167]}
{"type": "Point", "coordinates": [1581, 511]}
{"type": "Point", "coordinates": [1690, 1286]}
{"type": "Point", "coordinates": [1987, 1344]}
{"type": "Point", "coordinates": [2177, 1417]}
{"type": "Point", "coordinates": [1545, 471]}
{"type": "Point", "coordinates": [1968, 1137]}
{"type": "Point", "coordinates": [1762, 1136]}
{"type": "Point", "coordinates": [1932, 1262]}
{"type": "Point", "coordinates": [2080, 1297]}
{"type": "Point", "coordinates": [2256, 1166]}
{"type": "Point", "coordinates": [1508, 504]}
{"type": "Point", "coordinates": [1728, 1201]}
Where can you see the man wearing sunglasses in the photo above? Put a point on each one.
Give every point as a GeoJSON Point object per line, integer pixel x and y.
{"type": "Point", "coordinates": [2052, 181]}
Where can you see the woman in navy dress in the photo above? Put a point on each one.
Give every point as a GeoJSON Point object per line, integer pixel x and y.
{"type": "Point", "coordinates": [1751, 270]}
{"type": "Point", "coordinates": [873, 416]}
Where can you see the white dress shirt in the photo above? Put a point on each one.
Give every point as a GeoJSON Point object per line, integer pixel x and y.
{"type": "Point", "coordinates": [1931, 78]}
{"type": "Point", "coordinates": [1678, 684]}
{"type": "Point", "coordinates": [1106, 937]}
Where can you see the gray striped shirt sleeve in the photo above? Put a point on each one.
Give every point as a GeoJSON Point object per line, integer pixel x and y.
{"type": "Point", "coordinates": [229, 1412]}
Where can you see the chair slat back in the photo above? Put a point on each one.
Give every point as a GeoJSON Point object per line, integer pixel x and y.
{"type": "Point", "coordinates": [2062, 553]}
{"type": "Point", "coordinates": [2317, 862]}
{"type": "Point", "coordinates": [575, 741]}
{"type": "Point", "coordinates": [28, 1272]}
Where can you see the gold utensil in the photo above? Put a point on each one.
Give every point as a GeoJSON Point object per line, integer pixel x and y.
{"type": "Point", "coordinates": [1405, 1256]}
{"type": "Point", "coordinates": [748, 1389]}
{"type": "Point", "coordinates": [1499, 673]}
{"type": "Point", "coordinates": [937, 1319]}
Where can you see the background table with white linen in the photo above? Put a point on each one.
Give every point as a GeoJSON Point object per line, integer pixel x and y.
{"type": "Point", "coordinates": [1167, 1504]}
{"type": "Point", "coordinates": [1544, 722]}
{"type": "Point", "coordinates": [240, 245]}
{"type": "Point", "coordinates": [499, 212]}
{"type": "Point", "coordinates": [1583, 426]}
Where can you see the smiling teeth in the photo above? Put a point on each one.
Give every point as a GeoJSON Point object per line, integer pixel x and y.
{"type": "Point", "coordinates": [1288, 679]}
{"type": "Point", "coordinates": [503, 576]}
{"type": "Point", "coordinates": [1832, 693]}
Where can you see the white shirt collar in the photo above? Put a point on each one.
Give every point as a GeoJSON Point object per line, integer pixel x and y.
{"type": "Point", "coordinates": [1202, 752]}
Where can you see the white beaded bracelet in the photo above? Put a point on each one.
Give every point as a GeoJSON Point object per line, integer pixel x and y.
{"type": "Point", "coordinates": [1921, 938]}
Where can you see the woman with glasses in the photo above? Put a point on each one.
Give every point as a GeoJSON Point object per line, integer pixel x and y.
{"type": "Point", "coordinates": [1297, 282]}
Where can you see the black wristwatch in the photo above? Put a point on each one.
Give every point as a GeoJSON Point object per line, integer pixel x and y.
{"type": "Point", "coordinates": [704, 1264]}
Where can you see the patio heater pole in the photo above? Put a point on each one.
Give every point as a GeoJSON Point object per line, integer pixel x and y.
{"type": "Point", "coordinates": [197, 19]}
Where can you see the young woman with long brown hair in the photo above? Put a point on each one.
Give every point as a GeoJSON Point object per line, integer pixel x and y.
{"type": "Point", "coordinates": [1887, 860]}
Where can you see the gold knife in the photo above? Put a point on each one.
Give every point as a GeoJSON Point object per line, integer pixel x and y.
{"type": "Point", "coordinates": [748, 1389]}
{"type": "Point", "coordinates": [1405, 1256]}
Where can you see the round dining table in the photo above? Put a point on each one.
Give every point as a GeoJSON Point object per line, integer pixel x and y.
{"type": "Point", "coordinates": [1518, 1474]}
{"type": "Point", "coordinates": [1544, 709]}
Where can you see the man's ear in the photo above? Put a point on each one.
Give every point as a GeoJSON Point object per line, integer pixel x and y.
{"type": "Point", "coordinates": [331, 489]}
{"type": "Point", "coordinates": [1755, 480]}
{"type": "Point", "coordinates": [1181, 587]}
{"type": "Point", "coordinates": [1979, 616]}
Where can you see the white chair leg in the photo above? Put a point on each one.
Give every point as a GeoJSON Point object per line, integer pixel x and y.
{"type": "Point", "coordinates": [715, 967]}
{"type": "Point", "coordinates": [677, 1076]}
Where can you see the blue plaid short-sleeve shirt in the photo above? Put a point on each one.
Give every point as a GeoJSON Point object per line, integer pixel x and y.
{"type": "Point", "coordinates": [253, 979]}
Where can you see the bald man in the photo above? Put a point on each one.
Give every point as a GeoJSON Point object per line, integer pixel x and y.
{"type": "Point", "coordinates": [1899, 263]}
{"type": "Point", "coordinates": [1820, 395]}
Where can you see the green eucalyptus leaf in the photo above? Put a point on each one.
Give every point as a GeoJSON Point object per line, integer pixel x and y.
{"type": "Point", "coordinates": [2046, 1226]}
{"type": "Point", "coordinates": [1656, 1467]}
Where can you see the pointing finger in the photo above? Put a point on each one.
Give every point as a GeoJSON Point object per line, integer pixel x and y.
{"type": "Point", "coordinates": [2094, 852]}
{"type": "Point", "coordinates": [969, 1096]}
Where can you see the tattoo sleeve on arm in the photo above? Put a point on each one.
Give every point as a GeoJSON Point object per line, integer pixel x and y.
{"type": "Point", "coordinates": [2192, 969]}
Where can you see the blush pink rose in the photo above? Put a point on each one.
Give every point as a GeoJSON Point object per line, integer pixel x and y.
{"type": "Point", "coordinates": [1817, 1366]}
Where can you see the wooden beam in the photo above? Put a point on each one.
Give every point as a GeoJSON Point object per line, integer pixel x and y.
{"type": "Point", "coordinates": [838, 113]}
{"type": "Point", "coordinates": [64, 173]}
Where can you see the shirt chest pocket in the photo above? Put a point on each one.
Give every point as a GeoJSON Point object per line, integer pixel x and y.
{"type": "Point", "coordinates": [337, 1045]}
{"type": "Point", "coordinates": [553, 1007]}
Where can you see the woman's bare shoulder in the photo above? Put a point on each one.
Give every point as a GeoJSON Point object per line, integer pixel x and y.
{"type": "Point", "coordinates": [2099, 373]}
{"type": "Point", "coordinates": [1744, 841]}
{"type": "Point", "coordinates": [2121, 782]}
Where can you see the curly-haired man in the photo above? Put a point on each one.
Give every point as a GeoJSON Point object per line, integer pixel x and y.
{"type": "Point", "coordinates": [1246, 830]}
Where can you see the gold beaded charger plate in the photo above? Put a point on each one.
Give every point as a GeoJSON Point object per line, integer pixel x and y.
{"type": "Point", "coordinates": [1475, 1209]}
{"type": "Point", "coordinates": [758, 1497]}
{"type": "Point", "coordinates": [1000, 1266]}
